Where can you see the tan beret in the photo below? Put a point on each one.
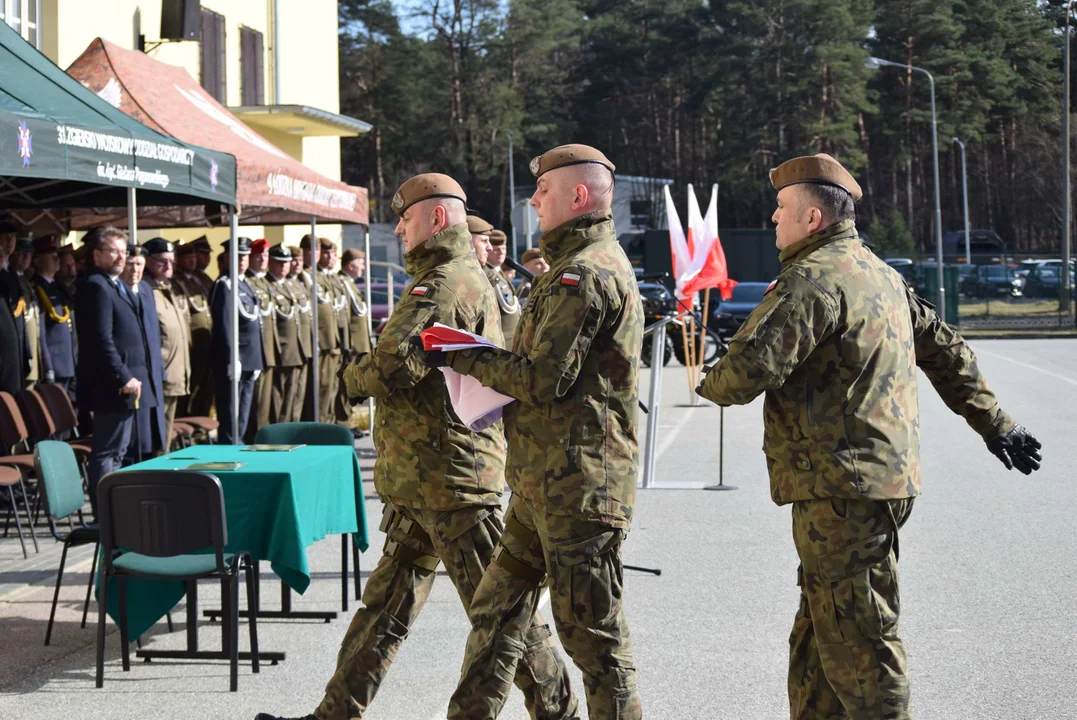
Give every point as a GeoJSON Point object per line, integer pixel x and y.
{"type": "Point", "coordinates": [425, 186]}
{"type": "Point", "coordinates": [323, 243]}
{"type": "Point", "coordinates": [530, 254]}
{"type": "Point", "coordinates": [568, 155]}
{"type": "Point", "coordinates": [352, 254]}
{"type": "Point", "coordinates": [477, 226]}
{"type": "Point", "coordinates": [818, 169]}
{"type": "Point", "coordinates": [497, 237]}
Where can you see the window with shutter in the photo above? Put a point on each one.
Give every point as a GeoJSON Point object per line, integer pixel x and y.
{"type": "Point", "coordinates": [252, 69]}
{"type": "Point", "coordinates": [213, 56]}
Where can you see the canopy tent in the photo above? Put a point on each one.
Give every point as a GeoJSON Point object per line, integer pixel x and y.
{"type": "Point", "coordinates": [273, 188]}
{"type": "Point", "coordinates": [62, 147]}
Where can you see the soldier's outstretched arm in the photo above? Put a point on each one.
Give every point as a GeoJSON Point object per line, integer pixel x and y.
{"type": "Point", "coordinates": [394, 364]}
{"type": "Point", "coordinates": [775, 339]}
{"type": "Point", "coordinates": [573, 316]}
{"type": "Point", "coordinates": [950, 365]}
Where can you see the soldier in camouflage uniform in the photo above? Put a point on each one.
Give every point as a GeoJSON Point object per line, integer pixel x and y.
{"type": "Point", "coordinates": [572, 450]}
{"type": "Point", "coordinates": [441, 482]}
{"type": "Point", "coordinates": [835, 345]}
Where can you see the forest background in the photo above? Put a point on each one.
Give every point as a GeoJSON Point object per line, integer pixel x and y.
{"type": "Point", "coordinates": [720, 92]}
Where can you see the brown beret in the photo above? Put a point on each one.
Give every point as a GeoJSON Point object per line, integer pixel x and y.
{"type": "Point", "coordinates": [352, 254]}
{"type": "Point", "coordinates": [323, 243]}
{"type": "Point", "coordinates": [477, 226]}
{"type": "Point", "coordinates": [424, 187]}
{"type": "Point", "coordinates": [530, 254]}
{"type": "Point", "coordinates": [497, 237]}
{"type": "Point", "coordinates": [817, 169]}
{"type": "Point", "coordinates": [568, 155]}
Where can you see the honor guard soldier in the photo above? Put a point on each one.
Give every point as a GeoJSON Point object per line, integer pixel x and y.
{"type": "Point", "coordinates": [173, 318]}
{"type": "Point", "coordinates": [329, 348]}
{"type": "Point", "coordinates": [573, 456]}
{"type": "Point", "coordinates": [352, 266]}
{"type": "Point", "coordinates": [249, 334]}
{"type": "Point", "coordinates": [306, 331]}
{"type": "Point", "coordinates": [835, 345]}
{"type": "Point", "coordinates": [262, 413]}
{"type": "Point", "coordinates": [20, 262]}
{"type": "Point", "coordinates": [507, 302]}
{"type": "Point", "coordinates": [289, 356]}
{"type": "Point", "coordinates": [203, 258]}
{"type": "Point", "coordinates": [440, 481]}
{"type": "Point", "coordinates": [191, 282]}
{"type": "Point", "coordinates": [60, 345]}
{"type": "Point", "coordinates": [12, 307]}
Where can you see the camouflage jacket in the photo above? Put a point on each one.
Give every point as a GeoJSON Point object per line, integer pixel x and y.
{"type": "Point", "coordinates": [834, 345]}
{"type": "Point", "coordinates": [574, 367]}
{"type": "Point", "coordinates": [507, 303]}
{"type": "Point", "coordinates": [427, 458]}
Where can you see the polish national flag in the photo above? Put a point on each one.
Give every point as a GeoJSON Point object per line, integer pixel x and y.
{"type": "Point", "coordinates": [698, 259]}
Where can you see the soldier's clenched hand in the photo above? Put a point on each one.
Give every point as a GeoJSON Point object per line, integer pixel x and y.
{"type": "Point", "coordinates": [350, 356]}
{"type": "Point", "coordinates": [1017, 448]}
{"type": "Point", "coordinates": [430, 358]}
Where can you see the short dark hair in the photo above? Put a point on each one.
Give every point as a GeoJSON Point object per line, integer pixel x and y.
{"type": "Point", "coordinates": [836, 204]}
{"type": "Point", "coordinates": [95, 236]}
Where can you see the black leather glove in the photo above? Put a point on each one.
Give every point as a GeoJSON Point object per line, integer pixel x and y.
{"type": "Point", "coordinates": [1017, 448]}
{"type": "Point", "coordinates": [430, 358]}
{"type": "Point", "coordinates": [348, 358]}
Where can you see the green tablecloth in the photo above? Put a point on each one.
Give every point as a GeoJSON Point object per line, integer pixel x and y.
{"type": "Point", "coordinates": [276, 505]}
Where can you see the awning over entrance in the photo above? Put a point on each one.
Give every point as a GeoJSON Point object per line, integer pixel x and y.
{"type": "Point", "coordinates": [272, 188]}
{"type": "Point", "coordinates": [61, 146]}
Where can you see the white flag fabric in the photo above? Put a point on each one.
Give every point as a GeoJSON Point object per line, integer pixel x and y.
{"type": "Point", "coordinates": [677, 242]}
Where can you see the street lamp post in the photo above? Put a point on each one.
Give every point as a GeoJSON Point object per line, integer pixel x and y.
{"type": "Point", "coordinates": [1067, 202]}
{"type": "Point", "coordinates": [965, 201]}
{"type": "Point", "coordinates": [874, 63]}
{"type": "Point", "coordinates": [512, 202]}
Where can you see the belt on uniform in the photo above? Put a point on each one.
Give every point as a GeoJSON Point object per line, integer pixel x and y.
{"type": "Point", "coordinates": [518, 567]}
{"type": "Point", "coordinates": [521, 532]}
{"type": "Point", "coordinates": [406, 556]}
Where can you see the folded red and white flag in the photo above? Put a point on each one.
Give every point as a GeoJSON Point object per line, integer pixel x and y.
{"type": "Point", "coordinates": [477, 406]}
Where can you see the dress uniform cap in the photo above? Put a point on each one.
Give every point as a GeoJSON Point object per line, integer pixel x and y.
{"type": "Point", "coordinates": [24, 244]}
{"type": "Point", "coordinates": [45, 244]}
{"type": "Point", "coordinates": [425, 186]}
{"type": "Point", "coordinates": [202, 244]}
{"type": "Point", "coordinates": [185, 249]}
{"type": "Point", "coordinates": [157, 245]}
{"type": "Point", "coordinates": [244, 247]}
{"type": "Point", "coordinates": [497, 237]}
{"type": "Point", "coordinates": [280, 252]}
{"type": "Point", "coordinates": [818, 169]}
{"type": "Point", "coordinates": [565, 155]}
{"type": "Point", "coordinates": [477, 226]}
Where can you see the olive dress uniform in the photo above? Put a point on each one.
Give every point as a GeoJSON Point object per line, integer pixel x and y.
{"type": "Point", "coordinates": [196, 287]}
{"type": "Point", "coordinates": [262, 413]}
{"type": "Point", "coordinates": [289, 359]}
{"type": "Point", "coordinates": [306, 343]}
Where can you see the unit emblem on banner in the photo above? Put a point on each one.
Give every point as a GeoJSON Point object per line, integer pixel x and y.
{"type": "Point", "coordinates": [26, 144]}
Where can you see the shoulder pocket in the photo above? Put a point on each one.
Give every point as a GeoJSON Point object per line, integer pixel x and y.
{"type": "Point", "coordinates": [769, 324]}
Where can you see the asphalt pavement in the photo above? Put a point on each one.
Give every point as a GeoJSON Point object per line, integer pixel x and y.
{"type": "Point", "coordinates": [988, 584]}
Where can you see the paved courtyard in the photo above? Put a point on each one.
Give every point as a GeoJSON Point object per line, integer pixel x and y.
{"type": "Point", "coordinates": [988, 573]}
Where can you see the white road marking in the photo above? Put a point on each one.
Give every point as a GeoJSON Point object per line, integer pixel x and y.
{"type": "Point", "coordinates": [1063, 378]}
{"type": "Point", "coordinates": [668, 440]}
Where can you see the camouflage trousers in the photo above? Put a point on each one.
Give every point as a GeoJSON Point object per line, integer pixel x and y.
{"type": "Point", "coordinates": [397, 590]}
{"type": "Point", "coordinates": [845, 657]}
{"type": "Point", "coordinates": [583, 562]}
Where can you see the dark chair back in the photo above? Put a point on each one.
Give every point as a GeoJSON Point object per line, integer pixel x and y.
{"type": "Point", "coordinates": [161, 513]}
{"type": "Point", "coordinates": [35, 413]}
{"type": "Point", "coordinates": [12, 428]}
{"type": "Point", "coordinates": [57, 469]}
{"type": "Point", "coordinates": [304, 433]}
{"type": "Point", "coordinates": [59, 405]}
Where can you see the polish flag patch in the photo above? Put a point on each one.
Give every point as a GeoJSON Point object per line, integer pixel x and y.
{"type": "Point", "coordinates": [421, 290]}
{"type": "Point", "coordinates": [770, 287]}
{"type": "Point", "coordinates": [570, 279]}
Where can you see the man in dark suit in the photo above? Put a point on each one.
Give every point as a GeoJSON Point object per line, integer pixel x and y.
{"type": "Point", "coordinates": [59, 348]}
{"type": "Point", "coordinates": [115, 361]}
{"type": "Point", "coordinates": [149, 433]}
{"type": "Point", "coordinates": [13, 366]}
{"type": "Point", "coordinates": [251, 360]}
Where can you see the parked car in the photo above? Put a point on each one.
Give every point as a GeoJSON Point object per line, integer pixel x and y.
{"type": "Point", "coordinates": [986, 281]}
{"type": "Point", "coordinates": [730, 314]}
{"type": "Point", "coordinates": [1044, 281]}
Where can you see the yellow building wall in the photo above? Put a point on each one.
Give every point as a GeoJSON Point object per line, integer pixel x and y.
{"type": "Point", "coordinates": [309, 72]}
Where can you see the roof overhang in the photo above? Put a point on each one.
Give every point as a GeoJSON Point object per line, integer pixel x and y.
{"type": "Point", "coordinates": [301, 120]}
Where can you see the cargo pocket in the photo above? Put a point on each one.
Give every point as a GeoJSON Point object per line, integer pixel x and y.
{"type": "Point", "coordinates": [590, 577]}
{"type": "Point", "coordinates": [863, 589]}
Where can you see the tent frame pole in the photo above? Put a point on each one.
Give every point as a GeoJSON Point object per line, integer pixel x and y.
{"type": "Point", "coordinates": [233, 267]}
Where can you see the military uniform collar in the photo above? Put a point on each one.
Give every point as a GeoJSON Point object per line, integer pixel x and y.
{"type": "Point", "coordinates": [802, 248]}
{"type": "Point", "coordinates": [575, 234]}
{"type": "Point", "coordinates": [452, 242]}
{"type": "Point", "coordinates": [160, 284]}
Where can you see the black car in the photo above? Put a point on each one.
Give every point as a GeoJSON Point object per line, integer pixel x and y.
{"type": "Point", "coordinates": [730, 314]}
{"type": "Point", "coordinates": [1044, 281]}
{"type": "Point", "coordinates": [989, 281]}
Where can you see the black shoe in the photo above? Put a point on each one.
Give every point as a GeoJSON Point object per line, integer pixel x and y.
{"type": "Point", "coordinates": [267, 716]}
